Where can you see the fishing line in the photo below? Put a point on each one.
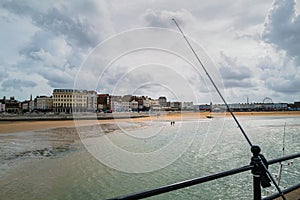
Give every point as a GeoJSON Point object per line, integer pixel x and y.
{"type": "Point", "coordinates": [229, 110]}
{"type": "Point", "coordinates": [215, 86]}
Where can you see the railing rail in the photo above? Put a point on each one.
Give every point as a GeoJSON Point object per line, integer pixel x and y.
{"type": "Point", "coordinates": [199, 180]}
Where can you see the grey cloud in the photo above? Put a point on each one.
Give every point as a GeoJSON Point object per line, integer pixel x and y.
{"type": "Point", "coordinates": [233, 74]}
{"type": "Point", "coordinates": [17, 84]}
{"type": "Point", "coordinates": [121, 78]}
{"type": "Point", "coordinates": [279, 77]}
{"type": "Point", "coordinates": [78, 30]}
{"type": "Point", "coordinates": [58, 78]}
{"type": "Point", "coordinates": [284, 86]}
{"type": "Point", "coordinates": [19, 7]}
{"type": "Point", "coordinates": [64, 37]}
{"type": "Point", "coordinates": [237, 83]}
{"type": "Point", "coordinates": [282, 28]}
{"type": "Point", "coordinates": [163, 18]}
{"type": "Point", "coordinates": [3, 74]}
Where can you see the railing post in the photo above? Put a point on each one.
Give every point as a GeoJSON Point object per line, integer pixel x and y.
{"type": "Point", "coordinates": [256, 171]}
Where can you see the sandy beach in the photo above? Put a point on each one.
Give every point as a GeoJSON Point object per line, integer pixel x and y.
{"type": "Point", "coordinates": [21, 126]}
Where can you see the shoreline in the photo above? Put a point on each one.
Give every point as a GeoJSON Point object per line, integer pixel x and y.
{"type": "Point", "coordinates": [14, 126]}
{"type": "Point", "coordinates": [66, 117]}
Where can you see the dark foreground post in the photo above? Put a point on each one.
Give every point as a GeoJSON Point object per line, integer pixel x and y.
{"type": "Point", "coordinates": [256, 171]}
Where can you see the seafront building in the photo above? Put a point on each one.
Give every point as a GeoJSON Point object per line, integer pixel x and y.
{"type": "Point", "coordinates": [2, 105]}
{"type": "Point", "coordinates": [103, 102]}
{"type": "Point", "coordinates": [25, 106]}
{"type": "Point", "coordinates": [187, 105]}
{"type": "Point", "coordinates": [91, 101]}
{"type": "Point", "coordinates": [72, 100]}
{"type": "Point", "coordinates": [244, 107]}
{"type": "Point", "coordinates": [43, 103]}
{"type": "Point", "coordinates": [11, 105]}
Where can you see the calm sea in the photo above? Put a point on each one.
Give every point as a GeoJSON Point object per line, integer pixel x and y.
{"type": "Point", "coordinates": [55, 164]}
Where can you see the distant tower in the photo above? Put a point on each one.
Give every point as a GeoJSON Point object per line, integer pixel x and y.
{"type": "Point", "coordinates": [247, 100]}
{"type": "Point", "coordinates": [30, 97]}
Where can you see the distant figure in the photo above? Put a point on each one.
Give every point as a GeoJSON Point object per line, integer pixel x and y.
{"type": "Point", "coordinates": [172, 123]}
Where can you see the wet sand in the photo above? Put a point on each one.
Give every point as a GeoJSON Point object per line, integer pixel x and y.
{"type": "Point", "coordinates": [202, 115]}
{"type": "Point", "coordinates": [21, 126]}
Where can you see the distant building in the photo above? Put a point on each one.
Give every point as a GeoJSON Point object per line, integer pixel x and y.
{"type": "Point", "coordinates": [116, 103]}
{"type": "Point", "coordinates": [297, 104]}
{"type": "Point", "coordinates": [127, 98]}
{"type": "Point", "coordinates": [25, 106]}
{"type": "Point", "coordinates": [28, 105]}
{"type": "Point", "coordinates": [44, 103]}
{"type": "Point", "coordinates": [121, 103]}
{"type": "Point", "coordinates": [63, 100]}
{"type": "Point", "coordinates": [175, 106]}
{"type": "Point", "coordinates": [244, 107]}
{"type": "Point", "coordinates": [187, 106]}
{"type": "Point", "coordinates": [218, 108]}
{"type": "Point", "coordinates": [71, 100]}
{"type": "Point", "coordinates": [2, 105]}
{"type": "Point", "coordinates": [134, 105]}
{"type": "Point", "coordinates": [204, 107]}
{"type": "Point", "coordinates": [12, 105]}
{"type": "Point", "coordinates": [145, 103]}
{"type": "Point", "coordinates": [91, 101]}
{"type": "Point", "coordinates": [103, 102]}
{"type": "Point", "coordinates": [162, 101]}
{"type": "Point", "coordinates": [32, 104]}
{"type": "Point", "coordinates": [154, 105]}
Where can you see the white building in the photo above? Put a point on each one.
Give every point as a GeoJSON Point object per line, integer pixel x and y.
{"type": "Point", "coordinates": [2, 107]}
{"type": "Point", "coordinates": [44, 103]}
{"type": "Point", "coordinates": [187, 106]}
{"type": "Point", "coordinates": [91, 101]}
{"type": "Point", "coordinates": [155, 105]}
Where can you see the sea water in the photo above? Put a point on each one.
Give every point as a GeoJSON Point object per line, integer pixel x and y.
{"type": "Point", "coordinates": [56, 164]}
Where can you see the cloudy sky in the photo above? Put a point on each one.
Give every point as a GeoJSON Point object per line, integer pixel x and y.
{"type": "Point", "coordinates": [250, 47]}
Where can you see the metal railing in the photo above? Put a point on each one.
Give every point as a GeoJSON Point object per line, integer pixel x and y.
{"type": "Point", "coordinates": [256, 168]}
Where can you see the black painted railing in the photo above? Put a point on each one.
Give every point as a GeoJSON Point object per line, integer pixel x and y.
{"type": "Point", "coordinates": [256, 168]}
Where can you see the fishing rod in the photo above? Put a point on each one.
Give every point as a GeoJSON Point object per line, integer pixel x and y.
{"type": "Point", "coordinates": [283, 148]}
{"type": "Point", "coordinates": [215, 86]}
{"type": "Point", "coordinates": [261, 158]}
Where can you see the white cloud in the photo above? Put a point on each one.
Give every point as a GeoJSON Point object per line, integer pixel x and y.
{"type": "Point", "coordinates": [162, 18]}
{"type": "Point", "coordinates": [282, 28]}
{"type": "Point", "coordinates": [46, 43]}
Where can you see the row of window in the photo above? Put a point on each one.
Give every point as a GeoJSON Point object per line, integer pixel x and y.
{"type": "Point", "coordinates": [70, 100]}
{"type": "Point", "coordinates": [67, 96]}
{"type": "Point", "coordinates": [68, 104]}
